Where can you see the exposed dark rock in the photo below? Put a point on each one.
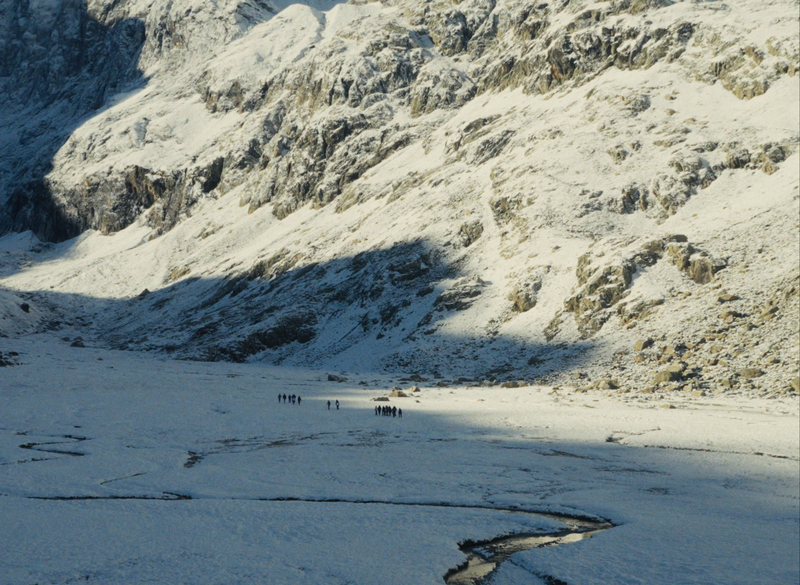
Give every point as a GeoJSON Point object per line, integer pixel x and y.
{"type": "Point", "coordinates": [667, 376]}
{"type": "Point", "coordinates": [524, 296]}
{"type": "Point", "coordinates": [461, 295]}
{"type": "Point", "coordinates": [470, 232]}
{"type": "Point", "coordinates": [698, 265]}
{"type": "Point", "coordinates": [289, 328]}
{"type": "Point", "coordinates": [726, 298]}
{"type": "Point", "coordinates": [749, 373]}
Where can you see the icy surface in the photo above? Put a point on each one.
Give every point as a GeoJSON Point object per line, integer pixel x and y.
{"type": "Point", "coordinates": [146, 470]}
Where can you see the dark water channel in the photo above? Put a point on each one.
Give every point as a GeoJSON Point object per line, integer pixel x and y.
{"type": "Point", "coordinates": [485, 557]}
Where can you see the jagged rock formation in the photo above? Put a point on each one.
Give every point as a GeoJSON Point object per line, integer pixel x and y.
{"type": "Point", "coordinates": [310, 125]}
{"type": "Point", "coordinates": [401, 184]}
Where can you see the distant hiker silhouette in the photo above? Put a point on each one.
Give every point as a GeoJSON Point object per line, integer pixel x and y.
{"type": "Point", "coordinates": [329, 404]}
{"type": "Point", "coordinates": [279, 397]}
{"type": "Point", "coordinates": [298, 400]}
{"type": "Point", "coordinates": [284, 398]}
{"type": "Point", "coordinates": [399, 413]}
{"type": "Point", "coordinates": [337, 405]}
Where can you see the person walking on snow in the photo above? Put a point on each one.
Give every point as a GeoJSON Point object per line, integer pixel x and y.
{"type": "Point", "coordinates": [329, 404]}
{"type": "Point", "coordinates": [337, 405]}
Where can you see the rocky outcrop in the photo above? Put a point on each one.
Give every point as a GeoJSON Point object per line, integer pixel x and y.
{"type": "Point", "coordinates": [58, 63]}
{"type": "Point", "coordinates": [602, 285]}
{"type": "Point", "coordinates": [503, 139]}
{"type": "Point", "coordinates": [348, 99]}
{"type": "Point", "coordinates": [460, 295]}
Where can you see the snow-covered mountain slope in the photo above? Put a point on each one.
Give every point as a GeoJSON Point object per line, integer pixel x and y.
{"type": "Point", "coordinates": [599, 193]}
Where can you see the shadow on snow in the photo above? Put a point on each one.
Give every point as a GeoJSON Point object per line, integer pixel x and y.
{"type": "Point", "coordinates": [395, 309]}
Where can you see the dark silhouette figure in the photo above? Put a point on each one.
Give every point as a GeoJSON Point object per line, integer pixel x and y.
{"type": "Point", "coordinates": [399, 413]}
{"type": "Point", "coordinates": [329, 404]}
{"type": "Point", "coordinates": [299, 400]}
{"type": "Point", "coordinates": [394, 411]}
{"type": "Point", "coordinates": [337, 405]}
{"type": "Point", "coordinates": [294, 398]}
{"type": "Point", "coordinates": [284, 398]}
{"type": "Point", "coordinates": [279, 398]}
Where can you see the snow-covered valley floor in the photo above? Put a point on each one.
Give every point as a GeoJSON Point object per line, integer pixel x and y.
{"type": "Point", "coordinates": [121, 468]}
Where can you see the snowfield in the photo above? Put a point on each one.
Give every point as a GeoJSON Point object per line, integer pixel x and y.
{"type": "Point", "coordinates": [568, 231]}
{"type": "Point", "coordinates": [117, 467]}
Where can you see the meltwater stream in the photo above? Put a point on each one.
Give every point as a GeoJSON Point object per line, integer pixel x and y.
{"type": "Point", "coordinates": [483, 558]}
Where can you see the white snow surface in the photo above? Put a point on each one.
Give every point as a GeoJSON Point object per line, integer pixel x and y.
{"type": "Point", "coordinates": [146, 470]}
{"type": "Point", "coordinates": [191, 472]}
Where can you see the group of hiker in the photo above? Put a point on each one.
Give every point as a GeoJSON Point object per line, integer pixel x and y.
{"type": "Point", "coordinates": [392, 411]}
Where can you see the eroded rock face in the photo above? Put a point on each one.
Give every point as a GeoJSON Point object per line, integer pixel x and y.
{"type": "Point", "coordinates": [602, 285]}
{"type": "Point", "coordinates": [333, 103]}
{"type": "Point", "coordinates": [58, 63]}
{"type": "Point", "coordinates": [393, 110]}
{"type": "Point", "coordinates": [461, 294]}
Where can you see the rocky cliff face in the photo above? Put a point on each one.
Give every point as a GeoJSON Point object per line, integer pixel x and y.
{"type": "Point", "coordinates": [435, 178]}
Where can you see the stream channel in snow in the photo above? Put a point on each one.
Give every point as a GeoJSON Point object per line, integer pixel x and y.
{"type": "Point", "coordinates": [136, 469]}
{"type": "Point", "coordinates": [483, 558]}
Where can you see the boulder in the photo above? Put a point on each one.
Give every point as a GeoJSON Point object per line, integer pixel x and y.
{"type": "Point", "coordinates": [750, 373]}
{"type": "Point", "coordinates": [668, 375]}
{"type": "Point", "coordinates": [607, 384]}
{"type": "Point", "coordinates": [726, 298]}
{"type": "Point", "coordinates": [461, 295]}
{"type": "Point", "coordinates": [643, 344]}
{"type": "Point", "coordinates": [470, 232]}
{"type": "Point", "coordinates": [729, 315]}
